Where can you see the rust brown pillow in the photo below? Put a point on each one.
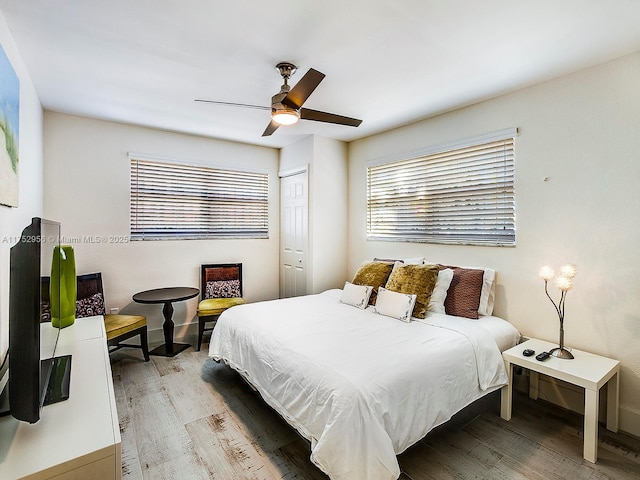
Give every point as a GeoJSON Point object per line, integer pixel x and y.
{"type": "Point", "coordinates": [374, 274]}
{"type": "Point", "coordinates": [463, 296]}
{"type": "Point", "coordinates": [418, 280]}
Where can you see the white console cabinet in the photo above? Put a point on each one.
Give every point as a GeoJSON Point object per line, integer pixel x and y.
{"type": "Point", "coordinates": [78, 438]}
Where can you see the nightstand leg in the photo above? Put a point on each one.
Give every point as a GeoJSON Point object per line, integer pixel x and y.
{"type": "Point", "coordinates": [534, 384]}
{"type": "Point", "coordinates": [506, 394]}
{"type": "Point", "coordinates": [613, 390]}
{"type": "Point", "coordinates": [591, 425]}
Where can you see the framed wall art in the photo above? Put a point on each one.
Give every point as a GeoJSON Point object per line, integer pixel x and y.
{"type": "Point", "coordinates": [9, 131]}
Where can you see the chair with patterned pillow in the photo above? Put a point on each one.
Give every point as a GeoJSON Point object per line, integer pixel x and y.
{"type": "Point", "coordinates": [90, 301]}
{"type": "Point", "coordinates": [221, 288]}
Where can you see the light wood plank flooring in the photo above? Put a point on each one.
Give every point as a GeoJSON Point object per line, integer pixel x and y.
{"type": "Point", "coordinates": [188, 417]}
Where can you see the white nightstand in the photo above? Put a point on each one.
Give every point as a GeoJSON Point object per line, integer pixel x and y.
{"type": "Point", "coordinates": [586, 370]}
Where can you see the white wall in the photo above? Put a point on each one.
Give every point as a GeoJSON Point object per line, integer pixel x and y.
{"type": "Point", "coordinates": [13, 220]}
{"type": "Point", "coordinates": [87, 190]}
{"type": "Point", "coordinates": [326, 161]}
{"type": "Point", "coordinates": [329, 226]}
{"type": "Point", "coordinates": [582, 132]}
{"type": "Point", "coordinates": [298, 155]}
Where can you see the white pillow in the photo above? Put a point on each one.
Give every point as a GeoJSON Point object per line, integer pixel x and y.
{"type": "Point", "coordinates": [439, 294]}
{"type": "Point", "coordinates": [395, 304]}
{"type": "Point", "coordinates": [488, 293]}
{"type": "Point", "coordinates": [413, 261]}
{"type": "Point", "coordinates": [356, 295]}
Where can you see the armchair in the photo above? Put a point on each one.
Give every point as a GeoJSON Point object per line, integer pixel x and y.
{"type": "Point", "coordinates": [221, 288]}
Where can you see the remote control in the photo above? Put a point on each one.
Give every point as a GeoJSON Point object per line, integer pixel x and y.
{"type": "Point", "coordinates": [542, 356]}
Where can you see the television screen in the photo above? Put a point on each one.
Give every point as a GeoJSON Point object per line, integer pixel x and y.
{"type": "Point", "coordinates": [50, 238]}
{"type": "Point", "coordinates": [36, 376]}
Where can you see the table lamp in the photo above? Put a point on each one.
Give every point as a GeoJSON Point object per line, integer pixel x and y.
{"type": "Point", "coordinates": [564, 282]}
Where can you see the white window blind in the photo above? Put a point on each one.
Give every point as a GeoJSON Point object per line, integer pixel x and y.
{"type": "Point", "coordinates": [170, 201]}
{"type": "Point", "coordinates": [460, 196]}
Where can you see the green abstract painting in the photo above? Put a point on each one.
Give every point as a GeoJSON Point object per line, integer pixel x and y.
{"type": "Point", "coordinates": [10, 129]}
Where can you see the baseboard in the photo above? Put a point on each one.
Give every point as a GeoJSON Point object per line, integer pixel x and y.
{"type": "Point", "coordinates": [571, 397]}
{"type": "Point", "coordinates": [630, 421]}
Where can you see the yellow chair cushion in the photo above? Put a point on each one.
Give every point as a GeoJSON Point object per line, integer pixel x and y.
{"type": "Point", "coordinates": [215, 306]}
{"type": "Point", "coordinates": [117, 325]}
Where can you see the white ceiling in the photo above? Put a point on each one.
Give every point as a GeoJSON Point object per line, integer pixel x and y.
{"type": "Point", "coordinates": [386, 62]}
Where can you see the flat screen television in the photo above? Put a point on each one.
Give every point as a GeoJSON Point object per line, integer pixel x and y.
{"type": "Point", "coordinates": [36, 376]}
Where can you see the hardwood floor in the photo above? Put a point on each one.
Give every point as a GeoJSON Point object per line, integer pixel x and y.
{"type": "Point", "coordinates": [188, 417]}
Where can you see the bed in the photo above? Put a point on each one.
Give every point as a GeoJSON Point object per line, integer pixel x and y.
{"type": "Point", "coordinates": [359, 385]}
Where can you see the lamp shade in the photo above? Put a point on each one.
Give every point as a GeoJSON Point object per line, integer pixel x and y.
{"type": "Point", "coordinates": [568, 271]}
{"type": "Point", "coordinates": [546, 273]}
{"type": "Point", "coordinates": [564, 283]}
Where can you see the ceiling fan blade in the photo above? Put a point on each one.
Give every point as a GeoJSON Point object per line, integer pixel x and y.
{"type": "Point", "coordinates": [231, 104]}
{"type": "Point", "coordinates": [272, 127]}
{"type": "Point", "coordinates": [305, 87]}
{"type": "Point", "coordinates": [308, 114]}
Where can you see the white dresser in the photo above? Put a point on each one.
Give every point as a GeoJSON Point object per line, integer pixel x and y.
{"type": "Point", "coordinates": [78, 438]}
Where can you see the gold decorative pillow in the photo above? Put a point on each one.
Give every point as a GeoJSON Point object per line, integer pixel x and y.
{"type": "Point", "coordinates": [373, 274]}
{"type": "Point", "coordinates": [418, 280]}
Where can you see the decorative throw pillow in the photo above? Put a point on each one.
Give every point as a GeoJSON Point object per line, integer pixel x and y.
{"type": "Point", "coordinates": [463, 296]}
{"type": "Point", "coordinates": [356, 295]}
{"type": "Point", "coordinates": [222, 289]}
{"type": "Point", "coordinates": [90, 306]}
{"type": "Point", "coordinates": [418, 280]}
{"type": "Point", "coordinates": [395, 304]}
{"type": "Point", "coordinates": [374, 274]}
{"type": "Point", "coordinates": [487, 294]}
{"type": "Point", "coordinates": [436, 302]}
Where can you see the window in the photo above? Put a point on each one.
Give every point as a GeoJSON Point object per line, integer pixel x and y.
{"type": "Point", "coordinates": [462, 195]}
{"type": "Point", "coordinates": [175, 201]}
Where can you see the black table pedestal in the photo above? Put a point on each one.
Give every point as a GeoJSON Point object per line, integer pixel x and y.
{"type": "Point", "coordinates": [169, 349]}
{"type": "Point", "coordinates": [167, 296]}
{"type": "Point", "coordinates": [163, 351]}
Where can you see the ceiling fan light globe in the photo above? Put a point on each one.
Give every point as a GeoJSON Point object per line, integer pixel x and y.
{"type": "Point", "coordinates": [285, 115]}
{"type": "Point", "coordinates": [284, 118]}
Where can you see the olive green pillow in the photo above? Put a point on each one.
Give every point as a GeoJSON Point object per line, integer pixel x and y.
{"type": "Point", "coordinates": [419, 280]}
{"type": "Point", "coordinates": [374, 274]}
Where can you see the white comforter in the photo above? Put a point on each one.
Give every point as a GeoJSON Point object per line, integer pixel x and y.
{"type": "Point", "coordinates": [360, 386]}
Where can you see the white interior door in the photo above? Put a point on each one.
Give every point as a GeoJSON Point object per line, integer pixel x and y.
{"type": "Point", "coordinates": [294, 232]}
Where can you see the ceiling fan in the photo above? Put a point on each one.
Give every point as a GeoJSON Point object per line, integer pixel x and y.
{"type": "Point", "coordinates": [286, 105]}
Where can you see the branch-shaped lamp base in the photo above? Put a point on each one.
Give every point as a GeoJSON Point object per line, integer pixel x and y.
{"type": "Point", "coordinates": [560, 351]}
